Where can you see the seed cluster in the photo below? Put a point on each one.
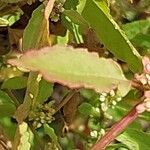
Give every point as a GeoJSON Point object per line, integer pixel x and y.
{"type": "Point", "coordinates": [42, 114]}
{"type": "Point", "coordinates": [57, 10]}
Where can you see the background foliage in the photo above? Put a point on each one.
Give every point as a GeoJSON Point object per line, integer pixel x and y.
{"type": "Point", "coordinates": [66, 73]}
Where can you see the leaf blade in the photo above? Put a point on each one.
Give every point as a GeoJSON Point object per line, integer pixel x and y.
{"type": "Point", "coordinates": [119, 45]}
{"type": "Point", "coordinates": [66, 67]}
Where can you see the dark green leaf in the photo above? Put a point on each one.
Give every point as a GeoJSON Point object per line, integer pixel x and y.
{"type": "Point", "coordinates": [87, 109]}
{"type": "Point", "coordinates": [50, 131]}
{"type": "Point", "coordinates": [7, 107]}
{"type": "Point", "coordinates": [137, 27]}
{"type": "Point", "coordinates": [45, 90]}
{"type": "Point", "coordinates": [109, 33]}
{"type": "Point", "coordinates": [141, 40]}
{"type": "Point", "coordinates": [15, 83]}
{"type": "Point", "coordinates": [135, 139]}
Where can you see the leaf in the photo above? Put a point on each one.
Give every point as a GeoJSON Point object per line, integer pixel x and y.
{"type": "Point", "coordinates": [87, 109]}
{"type": "Point", "coordinates": [100, 20]}
{"type": "Point", "coordinates": [24, 137]}
{"type": "Point", "coordinates": [30, 98]}
{"type": "Point", "coordinates": [9, 127]}
{"type": "Point", "coordinates": [66, 67]}
{"type": "Point", "coordinates": [136, 27]}
{"type": "Point", "coordinates": [69, 4]}
{"type": "Point", "coordinates": [45, 91]}
{"type": "Point", "coordinates": [50, 131]}
{"type": "Point", "coordinates": [141, 40]}
{"type": "Point", "coordinates": [35, 29]}
{"type": "Point", "coordinates": [117, 146]}
{"type": "Point", "coordinates": [12, 1]}
{"type": "Point", "coordinates": [9, 72]}
{"type": "Point", "coordinates": [75, 17]}
{"type": "Point", "coordinates": [15, 83]}
{"type": "Point", "coordinates": [3, 22]}
{"type": "Point", "coordinates": [38, 28]}
{"type": "Point", "coordinates": [7, 107]}
{"type": "Point", "coordinates": [135, 139]}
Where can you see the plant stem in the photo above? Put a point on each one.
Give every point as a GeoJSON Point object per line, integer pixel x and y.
{"type": "Point", "coordinates": [139, 86]}
{"type": "Point", "coordinates": [65, 100]}
{"type": "Point", "coordinates": [15, 100]}
{"type": "Point", "coordinates": [116, 129]}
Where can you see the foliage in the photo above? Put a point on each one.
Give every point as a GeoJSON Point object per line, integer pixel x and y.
{"type": "Point", "coordinates": [69, 70]}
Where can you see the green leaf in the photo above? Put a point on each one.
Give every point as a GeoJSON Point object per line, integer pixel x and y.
{"type": "Point", "coordinates": [75, 17]}
{"type": "Point", "coordinates": [75, 68]}
{"type": "Point", "coordinates": [50, 131]}
{"type": "Point", "coordinates": [87, 109]}
{"type": "Point", "coordinates": [7, 107]}
{"type": "Point", "coordinates": [110, 34]}
{"type": "Point", "coordinates": [141, 40]}
{"type": "Point", "coordinates": [15, 83]}
{"type": "Point", "coordinates": [12, 1]}
{"type": "Point", "coordinates": [118, 146]}
{"type": "Point", "coordinates": [137, 27]}
{"type": "Point", "coordinates": [135, 139]}
{"type": "Point", "coordinates": [8, 126]}
{"type": "Point", "coordinates": [36, 33]}
{"type": "Point", "coordinates": [81, 6]}
{"type": "Point", "coordinates": [24, 137]}
{"type": "Point", "coordinates": [45, 90]}
{"type": "Point", "coordinates": [3, 22]}
{"type": "Point", "coordinates": [71, 4]}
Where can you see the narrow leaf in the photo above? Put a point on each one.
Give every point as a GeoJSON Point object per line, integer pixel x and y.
{"type": "Point", "coordinates": [50, 131]}
{"type": "Point", "coordinates": [76, 18]}
{"type": "Point", "coordinates": [38, 28]}
{"type": "Point", "coordinates": [75, 68]}
{"type": "Point", "coordinates": [100, 20]}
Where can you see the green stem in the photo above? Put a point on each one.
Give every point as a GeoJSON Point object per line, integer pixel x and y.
{"type": "Point", "coordinates": [13, 97]}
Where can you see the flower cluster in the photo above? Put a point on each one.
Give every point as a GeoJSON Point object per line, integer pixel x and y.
{"type": "Point", "coordinates": [42, 114]}
{"type": "Point", "coordinates": [109, 100]}
{"type": "Point", "coordinates": [57, 10]}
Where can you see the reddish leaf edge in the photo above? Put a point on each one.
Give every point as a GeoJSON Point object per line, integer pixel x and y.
{"type": "Point", "coordinates": [52, 78]}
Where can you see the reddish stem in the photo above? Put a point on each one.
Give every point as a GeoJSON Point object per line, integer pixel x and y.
{"type": "Point", "coordinates": [116, 129]}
